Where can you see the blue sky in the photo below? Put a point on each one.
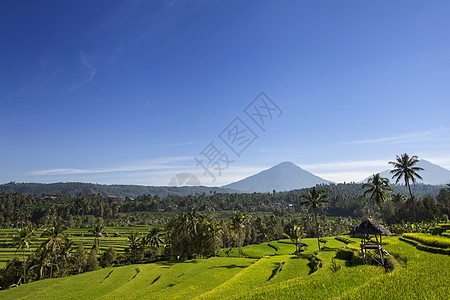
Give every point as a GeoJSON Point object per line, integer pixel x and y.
{"type": "Point", "coordinates": [131, 91]}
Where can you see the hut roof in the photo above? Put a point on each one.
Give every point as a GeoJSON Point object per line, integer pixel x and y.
{"type": "Point", "coordinates": [370, 226]}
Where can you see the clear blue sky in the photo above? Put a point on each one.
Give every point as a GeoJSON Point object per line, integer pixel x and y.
{"type": "Point", "coordinates": [131, 91]}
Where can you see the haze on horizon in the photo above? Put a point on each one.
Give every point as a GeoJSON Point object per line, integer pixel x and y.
{"type": "Point", "coordinates": [134, 92]}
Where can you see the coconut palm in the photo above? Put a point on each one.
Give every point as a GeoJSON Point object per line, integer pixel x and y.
{"type": "Point", "coordinates": [404, 167]}
{"type": "Point", "coordinates": [154, 239]}
{"type": "Point", "coordinates": [238, 222]}
{"type": "Point", "coordinates": [23, 241]}
{"type": "Point", "coordinates": [295, 235]}
{"type": "Point", "coordinates": [65, 255]}
{"type": "Point", "coordinates": [55, 241]}
{"type": "Point", "coordinates": [378, 187]}
{"type": "Point", "coordinates": [215, 230]}
{"type": "Point", "coordinates": [134, 239]}
{"type": "Point", "coordinates": [315, 199]}
{"type": "Point", "coordinates": [186, 227]}
{"type": "Point", "coordinates": [98, 232]}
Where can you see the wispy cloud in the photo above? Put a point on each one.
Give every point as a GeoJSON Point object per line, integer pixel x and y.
{"type": "Point", "coordinates": [89, 67]}
{"type": "Point", "coordinates": [365, 164]}
{"type": "Point", "coordinates": [47, 73]}
{"type": "Point", "coordinates": [347, 171]}
{"type": "Point", "coordinates": [156, 164]}
{"type": "Point", "coordinates": [177, 144]}
{"type": "Point", "coordinates": [421, 136]}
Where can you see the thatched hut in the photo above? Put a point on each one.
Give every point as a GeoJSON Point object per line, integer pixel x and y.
{"type": "Point", "coordinates": [369, 228]}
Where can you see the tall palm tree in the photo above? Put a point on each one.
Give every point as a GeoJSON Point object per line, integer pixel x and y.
{"type": "Point", "coordinates": [315, 199]}
{"type": "Point", "coordinates": [65, 253]}
{"type": "Point", "coordinates": [154, 239]}
{"type": "Point", "coordinates": [215, 230]}
{"type": "Point", "coordinates": [378, 187]}
{"type": "Point", "coordinates": [134, 239]}
{"type": "Point", "coordinates": [55, 241]}
{"type": "Point", "coordinates": [238, 222]}
{"type": "Point", "coordinates": [23, 241]}
{"type": "Point", "coordinates": [98, 231]}
{"type": "Point", "coordinates": [295, 235]}
{"type": "Point", "coordinates": [186, 227]}
{"type": "Point", "coordinates": [404, 167]}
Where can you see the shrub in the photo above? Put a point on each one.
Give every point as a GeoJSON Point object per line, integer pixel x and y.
{"type": "Point", "coordinates": [108, 257]}
{"type": "Point", "coordinates": [314, 263]}
{"type": "Point", "coordinates": [344, 240]}
{"type": "Point", "coordinates": [334, 267]}
{"type": "Point", "coordinates": [390, 263]}
{"type": "Point", "coordinates": [436, 231]}
{"type": "Point", "coordinates": [92, 261]}
{"type": "Point", "coordinates": [345, 254]}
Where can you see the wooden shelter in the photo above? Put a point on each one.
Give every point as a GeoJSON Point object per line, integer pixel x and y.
{"type": "Point", "coordinates": [366, 230]}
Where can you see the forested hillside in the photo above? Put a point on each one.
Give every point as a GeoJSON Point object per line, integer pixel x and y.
{"type": "Point", "coordinates": [131, 191]}
{"type": "Point", "coordinates": [345, 200]}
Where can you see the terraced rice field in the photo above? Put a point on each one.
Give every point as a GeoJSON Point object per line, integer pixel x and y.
{"type": "Point", "coordinates": [273, 275]}
{"type": "Point", "coordinates": [80, 236]}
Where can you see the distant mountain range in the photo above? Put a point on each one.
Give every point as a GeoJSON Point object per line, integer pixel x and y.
{"type": "Point", "coordinates": [285, 176]}
{"type": "Point", "coordinates": [432, 174]}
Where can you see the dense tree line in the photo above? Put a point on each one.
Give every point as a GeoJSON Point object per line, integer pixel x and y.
{"type": "Point", "coordinates": [345, 200]}
{"type": "Point", "coordinates": [73, 188]}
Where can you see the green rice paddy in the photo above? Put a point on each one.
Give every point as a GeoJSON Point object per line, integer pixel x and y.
{"type": "Point", "coordinates": [265, 274]}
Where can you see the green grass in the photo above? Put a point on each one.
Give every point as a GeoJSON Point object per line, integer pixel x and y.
{"type": "Point", "coordinates": [293, 267]}
{"type": "Point", "coordinates": [182, 280]}
{"type": "Point", "coordinates": [263, 249]}
{"type": "Point", "coordinates": [80, 236]}
{"type": "Point", "coordinates": [174, 280]}
{"type": "Point", "coordinates": [248, 279]}
{"type": "Point", "coordinates": [419, 275]}
{"type": "Point", "coordinates": [429, 240]}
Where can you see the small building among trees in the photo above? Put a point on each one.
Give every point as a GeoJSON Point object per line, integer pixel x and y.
{"type": "Point", "coordinates": [366, 230]}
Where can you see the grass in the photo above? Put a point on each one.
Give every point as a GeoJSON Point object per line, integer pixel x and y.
{"type": "Point", "coordinates": [154, 281]}
{"type": "Point", "coordinates": [182, 280]}
{"type": "Point", "coordinates": [248, 279]}
{"type": "Point", "coordinates": [429, 240]}
{"type": "Point", "coordinates": [419, 275]}
{"type": "Point", "coordinates": [259, 250]}
{"type": "Point", "coordinates": [80, 236]}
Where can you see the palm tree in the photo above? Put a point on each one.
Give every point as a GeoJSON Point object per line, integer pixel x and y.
{"type": "Point", "coordinates": [215, 230]}
{"type": "Point", "coordinates": [187, 227]}
{"type": "Point", "coordinates": [315, 199]}
{"type": "Point", "coordinates": [404, 167]}
{"type": "Point", "coordinates": [398, 198]}
{"type": "Point", "coordinates": [133, 238]}
{"type": "Point", "coordinates": [98, 231]}
{"type": "Point", "coordinates": [23, 241]}
{"type": "Point", "coordinates": [154, 239]}
{"type": "Point", "coordinates": [55, 241]}
{"type": "Point", "coordinates": [296, 234]}
{"type": "Point", "coordinates": [66, 253]}
{"type": "Point", "coordinates": [238, 222]}
{"type": "Point", "coordinates": [378, 187]}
